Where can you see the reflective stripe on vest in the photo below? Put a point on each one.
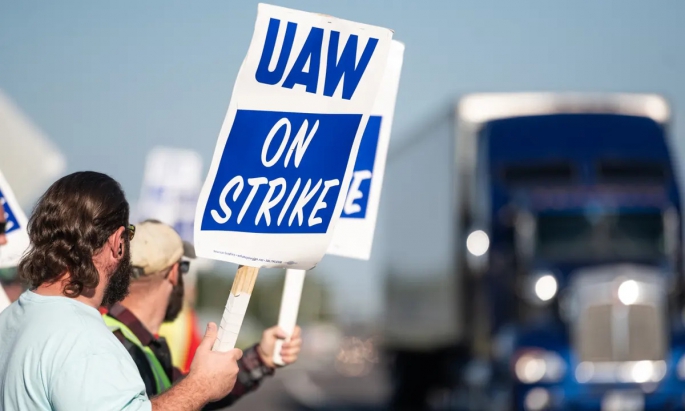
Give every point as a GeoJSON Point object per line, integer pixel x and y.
{"type": "Point", "coordinates": [161, 378]}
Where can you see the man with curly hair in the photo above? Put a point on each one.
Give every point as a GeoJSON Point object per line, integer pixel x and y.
{"type": "Point", "coordinates": [56, 351]}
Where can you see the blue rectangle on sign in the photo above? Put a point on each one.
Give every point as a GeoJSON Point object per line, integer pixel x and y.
{"type": "Point", "coordinates": [358, 195]}
{"type": "Point", "coordinates": [12, 222]}
{"type": "Point", "coordinates": [280, 172]}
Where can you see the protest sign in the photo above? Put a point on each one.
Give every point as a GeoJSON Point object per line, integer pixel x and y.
{"type": "Point", "coordinates": [15, 227]}
{"type": "Point", "coordinates": [353, 234]}
{"type": "Point", "coordinates": [285, 153]}
{"type": "Point", "coordinates": [284, 157]}
{"type": "Point", "coordinates": [15, 232]}
{"type": "Point", "coordinates": [171, 185]}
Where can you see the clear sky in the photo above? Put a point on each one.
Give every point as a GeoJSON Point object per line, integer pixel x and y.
{"type": "Point", "coordinates": [107, 81]}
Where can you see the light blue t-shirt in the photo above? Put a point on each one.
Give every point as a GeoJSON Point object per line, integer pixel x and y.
{"type": "Point", "coordinates": [57, 354]}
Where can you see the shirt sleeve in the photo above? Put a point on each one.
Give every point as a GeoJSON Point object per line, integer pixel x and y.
{"type": "Point", "coordinates": [99, 382]}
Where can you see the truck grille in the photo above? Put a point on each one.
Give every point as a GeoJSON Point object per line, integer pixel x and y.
{"type": "Point", "coordinates": [612, 331]}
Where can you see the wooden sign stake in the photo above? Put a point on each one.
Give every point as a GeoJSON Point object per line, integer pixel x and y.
{"type": "Point", "coordinates": [236, 306]}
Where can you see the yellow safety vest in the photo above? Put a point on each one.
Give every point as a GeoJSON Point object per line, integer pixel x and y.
{"type": "Point", "coordinates": [180, 335]}
{"type": "Point", "coordinates": [161, 378]}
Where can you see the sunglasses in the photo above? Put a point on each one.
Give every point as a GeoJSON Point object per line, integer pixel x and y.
{"type": "Point", "coordinates": [3, 227]}
{"type": "Point", "coordinates": [131, 231]}
{"type": "Point", "coordinates": [184, 266]}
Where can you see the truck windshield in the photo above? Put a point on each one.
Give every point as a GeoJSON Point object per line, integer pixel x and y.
{"type": "Point", "coordinates": [580, 237]}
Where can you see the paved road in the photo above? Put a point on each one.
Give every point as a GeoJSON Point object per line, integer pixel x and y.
{"type": "Point", "coordinates": [300, 390]}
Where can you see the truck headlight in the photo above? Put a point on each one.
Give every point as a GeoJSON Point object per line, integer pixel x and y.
{"type": "Point", "coordinates": [629, 292]}
{"type": "Point", "coordinates": [539, 365]}
{"type": "Point", "coordinates": [478, 243]}
{"type": "Point", "coordinates": [546, 287]}
{"type": "Point", "coordinates": [540, 287]}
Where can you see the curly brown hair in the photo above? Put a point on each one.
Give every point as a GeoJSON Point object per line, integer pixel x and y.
{"type": "Point", "coordinates": [70, 223]}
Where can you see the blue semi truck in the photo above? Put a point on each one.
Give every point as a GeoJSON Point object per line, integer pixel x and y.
{"type": "Point", "coordinates": [534, 256]}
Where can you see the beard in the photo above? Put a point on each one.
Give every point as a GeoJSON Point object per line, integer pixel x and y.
{"type": "Point", "coordinates": [119, 280]}
{"type": "Point", "coordinates": [175, 301]}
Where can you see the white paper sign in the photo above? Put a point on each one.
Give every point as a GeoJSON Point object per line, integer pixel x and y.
{"type": "Point", "coordinates": [353, 235]}
{"type": "Point", "coordinates": [17, 236]}
{"type": "Point", "coordinates": [171, 186]}
{"type": "Point", "coordinates": [285, 154]}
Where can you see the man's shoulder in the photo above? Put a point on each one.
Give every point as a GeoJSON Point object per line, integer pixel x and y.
{"type": "Point", "coordinates": [85, 322]}
{"type": "Point", "coordinates": [67, 326]}
{"type": "Point", "coordinates": [83, 340]}
{"type": "Point", "coordinates": [63, 345]}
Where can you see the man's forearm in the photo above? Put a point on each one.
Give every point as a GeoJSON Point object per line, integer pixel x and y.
{"type": "Point", "coordinates": [186, 395]}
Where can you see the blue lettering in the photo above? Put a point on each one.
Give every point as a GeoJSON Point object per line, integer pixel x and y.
{"type": "Point", "coordinates": [346, 65]}
{"type": "Point", "coordinates": [263, 75]}
{"type": "Point", "coordinates": [306, 68]}
{"type": "Point", "coordinates": [292, 192]}
{"type": "Point", "coordinates": [358, 194]}
{"type": "Point", "coordinates": [311, 52]}
{"type": "Point", "coordinates": [12, 222]}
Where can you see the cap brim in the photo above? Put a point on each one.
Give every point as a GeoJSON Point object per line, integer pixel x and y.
{"type": "Point", "coordinates": [188, 250]}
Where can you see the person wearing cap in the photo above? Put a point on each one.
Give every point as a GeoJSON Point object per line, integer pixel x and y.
{"type": "Point", "coordinates": [156, 296]}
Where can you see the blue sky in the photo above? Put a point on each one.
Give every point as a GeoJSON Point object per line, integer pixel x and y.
{"type": "Point", "coordinates": [107, 81]}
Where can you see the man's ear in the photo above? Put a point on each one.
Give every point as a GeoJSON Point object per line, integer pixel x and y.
{"type": "Point", "coordinates": [115, 243]}
{"type": "Point", "coordinates": [173, 274]}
